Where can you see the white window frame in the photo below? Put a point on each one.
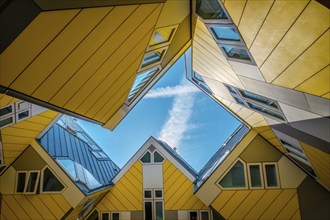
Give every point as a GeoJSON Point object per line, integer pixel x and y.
{"type": "Point", "coordinates": [154, 208]}
{"type": "Point", "coordinates": [42, 181]}
{"type": "Point", "coordinates": [16, 182]}
{"type": "Point", "coordinates": [111, 216]}
{"type": "Point", "coordinates": [17, 105]}
{"type": "Point", "coordinates": [260, 172]}
{"type": "Point", "coordinates": [25, 110]}
{"type": "Point", "coordinates": [27, 180]}
{"type": "Point", "coordinates": [265, 175]}
{"type": "Point", "coordinates": [227, 171]}
{"type": "Point", "coordinates": [100, 215]}
{"type": "Point", "coordinates": [225, 42]}
{"type": "Point", "coordinates": [208, 212]}
{"type": "Point", "coordinates": [198, 214]}
{"type": "Point", "coordinates": [10, 113]}
{"type": "Point", "coordinates": [10, 116]}
{"type": "Point", "coordinates": [163, 49]}
{"type": "Point", "coordinates": [153, 157]}
{"type": "Point", "coordinates": [154, 195]}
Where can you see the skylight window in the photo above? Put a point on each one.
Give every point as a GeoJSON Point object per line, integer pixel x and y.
{"type": "Point", "coordinates": [162, 36]}
{"type": "Point", "coordinates": [210, 9]}
{"type": "Point", "coordinates": [236, 52]}
{"type": "Point", "coordinates": [140, 81]}
{"type": "Point", "coordinates": [153, 57]}
{"type": "Point", "coordinates": [258, 98]}
{"type": "Point", "coordinates": [225, 34]}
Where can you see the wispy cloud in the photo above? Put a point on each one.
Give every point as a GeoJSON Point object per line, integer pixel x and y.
{"type": "Point", "coordinates": [177, 123]}
{"type": "Point", "coordinates": [168, 91]}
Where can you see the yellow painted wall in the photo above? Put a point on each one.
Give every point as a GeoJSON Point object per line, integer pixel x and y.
{"type": "Point", "coordinates": [126, 194]}
{"type": "Point", "coordinates": [178, 190]}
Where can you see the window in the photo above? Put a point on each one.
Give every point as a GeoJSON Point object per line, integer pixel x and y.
{"type": "Point", "coordinates": [115, 216]}
{"type": "Point", "coordinates": [258, 98]}
{"type": "Point", "coordinates": [235, 178]}
{"type": "Point", "coordinates": [148, 210]}
{"type": "Point", "coordinates": [226, 34]}
{"type": "Point", "coordinates": [200, 81]}
{"type": "Point", "coordinates": [158, 193]}
{"type": "Point", "coordinates": [205, 215]}
{"type": "Point", "coordinates": [148, 194]}
{"type": "Point", "coordinates": [158, 158]}
{"type": "Point", "coordinates": [162, 36]}
{"type": "Point", "coordinates": [14, 113]}
{"type": "Point", "coordinates": [236, 52]}
{"type": "Point", "coordinates": [210, 9]}
{"type": "Point", "coordinates": [22, 105]}
{"type": "Point", "coordinates": [94, 215]}
{"type": "Point", "coordinates": [22, 115]}
{"type": "Point", "coordinates": [6, 121]}
{"type": "Point", "coordinates": [6, 110]}
{"type": "Point", "coordinates": [154, 157]}
{"type": "Point", "coordinates": [271, 176]}
{"type": "Point", "coordinates": [193, 215]}
{"type": "Point", "coordinates": [50, 183]}
{"type": "Point", "coordinates": [105, 216]}
{"type": "Point", "coordinates": [100, 154]}
{"type": "Point", "coordinates": [255, 176]}
{"type": "Point", "coordinates": [146, 157]}
{"type": "Point", "coordinates": [159, 210]}
{"type": "Point", "coordinates": [266, 111]}
{"type": "Point", "coordinates": [27, 182]}
{"type": "Point", "coordinates": [140, 81]}
{"type": "Point", "coordinates": [153, 57]}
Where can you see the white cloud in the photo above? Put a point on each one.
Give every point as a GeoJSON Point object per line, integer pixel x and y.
{"type": "Point", "coordinates": [168, 91]}
{"type": "Point", "coordinates": [177, 124]}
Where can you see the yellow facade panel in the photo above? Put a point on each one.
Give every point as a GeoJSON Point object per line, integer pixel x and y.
{"type": "Point", "coordinates": [30, 43]}
{"type": "Point", "coordinates": [311, 24]}
{"type": "Point", "coordinates": [250, 23]}
{"type": "Point", "coordinates": [175, 192]}
{"type": "Point", "coordinates": [16, 140]}
{"type": "Point", "coordinates": [247, 204]}
{"type": "Point", "coordinates": [316, 84]}
{"type": "Point", "coordinates": [245, 113]}
{"type": "Point", "coordinates": [269, 134]}
{"type": "Point", "coordinates": [6, 100]}
{"type": "Point", "coordinates": [320, 162]}
{"type": "Point", "coordinates": [234, 202]}
{"type": "Point", "coordinates": [27, 206]}
{"type": "Point", "coordinates": [222, 199]}
{"type": "Point", "coordinates": [327, 95]}
{"type": "Point", "coordinates": [121, 196]}
{"type": "Point", "coordinates": [6, 210]}
{"type": "Point", "coordinates": [116, 106]}
{"type": "Point", "coordinates": [133, 190]}
{"type": "Point", "coordinates": [19, 132]}
{"type": "Point", "coordinates": [274, 142]}
{"type": "Point", "coordinates": [52, 206]}
{"type": "Point", "coordinates": [235, 9]}
{"type": "Point", "coordinates": [263, 204]}
{"type": "Point", "coordinates": [16, 207]}
{"type": "Point", "coordinates": [41, 207]}
{"type": "Point", "coordinates": [281, 16]}
{"type": "Point", "coordinates": [51, 56]}
{"type": "Point", "coordinates": [170, 181]}
{"type": "Point", "coordinates": [278, 204]}
{"type": "Point", "coordinates": [290, 210]}
{"type": "Point", "coordinates": [166, 164]}
{"type": "Point", "coordinates": [61, 202]}
{"type": "Point", "coordinates": [106, 205]}
{"type": "Point", "coordinates": [117, 16]}
{"type": "Point", "coordinates": [168, 172]}
{"type": "Point", "coordinates": [254, 119]}
{"type": "Point", "coordinates": [314, 59]}
{"type": "Point", "coordinates": [235, 107]}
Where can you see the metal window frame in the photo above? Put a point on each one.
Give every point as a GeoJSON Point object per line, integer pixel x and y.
{"type": "Point", "coordinates": [251, 61]}
{"type": "Point", "coordinates": [213, 20]}
{"type": "Point", "coordinates": [228, 170]}
{"type": "Point", "coordinates": [36, 183]}
{"type": "Point", "coordinates": [16, 181]}
{"type": "Point", "coordinates": [211, 27]}
{"type": "Point", "coordinates": [149, 66]}
{"type": "Point", "coordinates": [163, 44]}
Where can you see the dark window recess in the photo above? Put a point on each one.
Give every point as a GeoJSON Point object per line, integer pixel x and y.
{"type": "Point", "coordinates": [50, 182]}
{"type": "Point", "coordinates": [235, 178]}
{"type": "Point", "coordinates": [23, 115]}
{"type": "Point", "coordinates": [158, 193]}
{"type": "Point", "coordinates": [146, 158]}
{"type": "Point", "coordinates": [6, 121]}
{"type": "Point", "coordinates": [159, 210]}
{"type": "Point", "coordinates": [259, 98]}
{"type": "Point", "coordinates": [94, 215]}
{"type": "Point", "coordinates": [6, 110]}
{"type": "Point", "coordinates": [148, 210]}
{"type": "Point", "coordinates": [147, 194]}
{"type": "Point", "coordinates": [239, 101]}
{"type": "Point", "coordinates": [193, 215]}
{"type": "Point", "coordinates": [271, 175]}
{"type": "Point", "coordinates": [158, 158]}
{"type": "Point", "coordinates": [255, 176]}
{"type": "Point", "coordinates": [105, 216]}
{"type": "Point", "coordinates": [266, 111]}
{"type": "Point", "coordinates": [205, 216]}
{"type": "Point", "coordinates": [21, 182]}
{"type": "Point", "coordinates": [210, 9]}
{"type": "Point", "coordinates": [115, 216]}
{"type": "Point", "coordinates": [32, 182]}
{"type": "Point", "coordinates": [237, 53]}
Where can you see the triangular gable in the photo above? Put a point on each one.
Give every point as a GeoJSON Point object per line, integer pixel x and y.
{"type": "Point", "coordinates": [166, 151]}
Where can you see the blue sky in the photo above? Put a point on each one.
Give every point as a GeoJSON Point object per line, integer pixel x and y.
{"type": "Point", "coordinates": [175, 111]}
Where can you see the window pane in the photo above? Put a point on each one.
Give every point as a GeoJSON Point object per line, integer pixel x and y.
{"type": "Point", "coordinates": [147, 194]}
{"type": "Point", "coordinates": [255, 176]}
{"type": "Point", "coordinates": [6, 121]}
{"type": "Point", "coordinates": [23, 115]}
{"type": "Point", "coordinates": [226, 33]}
{"type": "Point", "coordinates": [32, 182]}
{"type": "Point", "coordinates": [94, 215]}
{"type": "Point", "coordinates": [271, 175]}
{"type": "Point", "coordinates": [115, 216]}
{"type": "Point", "coordinates": [235, 178]}
{"type": "Point", "coordinates": [237, 53]}
{"type": "Point", "coordinates": [205, 215]}
{"type": "Point", "coordinates": [259, 98]}
{"type": "Point", "coordinates": [50, 182]}
{"type": "Point", "coordinates": [151, 58]}
{"type": "Point", "coordinates": [239, 101]}
{"type": "Point", "coordinates": [231, 89]}
{"type": "Point", "coordinates": [6, 110]}
{"type": "Point", "coordinates": [146, 158]}
{"type": "Point", "coordinates": [159, 210]}
{"type": "Point", "coordinates": [148, 210]}
{"type": "Point", "coordinates": [21, 182]}
{"type": "Point", "coordinates": [158, 158]}
{"type": "Point", "coordinates": [192, 215]}
{"type": "Point", "coordinates": [140, 81]}
{"type": "Point", "coordinates": [199, 80]}
{"type": "Point", "coordinates": [161, 35]}
{"type": "Point", "coordinates": [266, 111]}
{"type": "Point", "coordinates": [210, 9]}
{"type": "Point", "coordinates": [105, 216]}
{"type": "Point", "coordinates": [68, 166]}
{"type": "Point", "coordinates": [158, 193]}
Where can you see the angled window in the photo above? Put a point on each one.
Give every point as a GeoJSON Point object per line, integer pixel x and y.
{"type": "Point", "coordinates": [259, 98]}
{"type": "Point", "coordinates": [239, 101]}
{"type": "Point", "coordinates": [159, 210]}
{"type": "Point", "coordinates": [236, 53]}
{"type": "Point", "coordinates": [50, 183]}
{"type": "Point", "coordinates": [266, 111]}
{"type": "Point", "coordinates": [158, 158]}
{"type": "Point", "coordinates": [226, 34]}
{"type": "Point", "coordinates": [84, 176]}
{"type": "Point", "coordinates": [235, 178]}
{"type": "Point", "coordinates": [32, 183]}
{"type": "Point", "coordinates": [146, 158]}
{"type": "Point", "coordinates": [20, 182]}
{"type": "Point", "coordinates": [140, 81]}
{"type": "Point", "coordinates": [200, 81]}
{"type": "Point", "coordinates": [162, 36]}
{"type": "Point", "coordinates": [105, 216]}
{"type": "Point", "coordinates": [7, 110]}
{"type": "Point", "coordinates": [94, 215]}
{"type": "Point", "coordinates": [27, 182]}
{"type": "Point", "coordinates": [255, 176]}
{"type": "Point", "coordinates": [152, 58]}
{"type": "Point", "coordinates": [231, 89]}
{"type": "Point", "coordinates": [210, 9]}
{"type": "Point", "coordinates": [271, 176]}
{"type": "Point", "coordinates": [99, 154]}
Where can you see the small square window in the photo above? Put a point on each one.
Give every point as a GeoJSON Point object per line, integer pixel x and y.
{"type": "Point", "coordinates": [105, 216]}
{"type": "Point", "coordinates": [22, 105]}
{"type": "Point", "coordinates": [193, 215]}
{"type": "Point", "coordinates": [6, 110]}
{"type": "Point", "coordinates": [158, 193]}
{"type": "Point", "coordinates": [148, 194]}
{"type": "Point", "coordinates": [210, 9]}
{"type": "Point", "coordinates": [205, 215]}
{"type": "Point", "coordinates": [6, 121]}
{"type": "Point", "coordinates": [152, 58]}
{"type": "Point", "coordinates": [23, 115]}
{"type": "Point", "coordinates": [115, 216]}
